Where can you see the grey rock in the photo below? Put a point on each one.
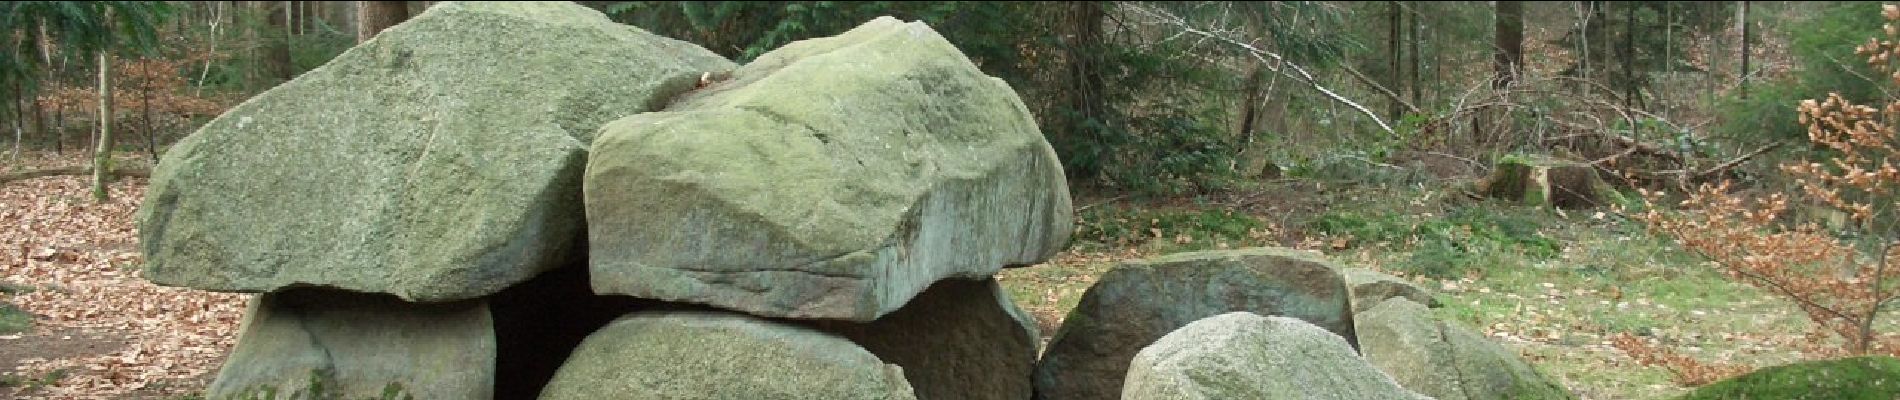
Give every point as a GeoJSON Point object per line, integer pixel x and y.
{"type": "Point", "coordinates": [439, 161]}
{"type": "Point", "coordinates": [1243, 355]}
{"type": "Point", "coordinates": [720, 355]}
{"type": "Point", "coordinates": [832, 178]}
{"type": "Point", "coordinates": [959, 339]}
{"type": "Point", "coordinates": [1444, 360]}
{"type": "Point", "coordinates": [1138, 302]}
{"type": "Point", "coordinates": [356, 346]}
{"type": "Point", "coordinates": [1369, 288]}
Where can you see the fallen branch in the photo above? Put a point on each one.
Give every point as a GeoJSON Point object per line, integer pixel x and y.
{"type": "Point", "coordinates": [1730, 164]}
{"type": "Point", "coordinates": [1381, 89]}
{"type": "Point", "coordinates": [42, 173]}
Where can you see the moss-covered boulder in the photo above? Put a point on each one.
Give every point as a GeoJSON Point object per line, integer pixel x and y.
{"type": "Point", "coordinates": [1369, 288]}
{"type": "Point", "coordinates": [439, 161]}
{"type": "Point", "coordinates": [310, 343]}
{"type": "Point", "coordinates": [959, 339]}
{"type": "Point", "coordinates": [720, 355]}
{"type": "Point", "coordinates": [1546, 181]}
{"type": "Point", "coordinates": [1140, 301]}
{"type": "Point", "coordinates": [1243, 355]}
{"type": "Point", "coordinates": [1856, 378]}
{"type": "Point", "coordinates": [831, 178]}
{"type": "Point", "coordinates": [1444, 360]}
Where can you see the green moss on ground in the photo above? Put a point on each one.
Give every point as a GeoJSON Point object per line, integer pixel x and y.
{"type": "Point", "coordinates": [12, 320]}
{"type": "Point", "coordinates": [1869, 378]}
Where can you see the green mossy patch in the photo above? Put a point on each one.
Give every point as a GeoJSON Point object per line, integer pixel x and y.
{"type": "Point", "coordinates": [1876, 377]}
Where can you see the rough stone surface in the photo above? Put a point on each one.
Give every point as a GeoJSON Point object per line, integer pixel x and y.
{"type": "Point", "coordinates": [1140, 301]}
{"type": "Point", "coordinates": [959, 339]}
{"type": "Point", "coordinates": [831, 178]}
{"type": "Point", "coordinates": [1369, 288]}
{"type": "Point", "coordinates": [356, 346]}
{"type": "Point", "coordinates": [1443, 360]}
{"type": "Point", "coordinates": [720, 355]}
{"type": "Point", "coordinates": [439, 161]}
{"type": "Point", "coordinates": [1243, 355]}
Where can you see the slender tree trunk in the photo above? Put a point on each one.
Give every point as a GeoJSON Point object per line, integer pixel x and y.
{"type": "Point", "coordinates": [19, 118]}
{"type": "Point", "coordinates": [276, 38]}
{"type": "Point", "coordinates": [1745, 72]}
{"type": "Point", "coordinates": [145, 118]}
{"type": "Point", "coordinates": [1509, 40]}
{"type": "Point", "coordinates": [375, 16]}
{"type": "Point", "coordinates": [102, 156]}
{"type": "Point", "coordinates": [1395, 56]}
{"type": "Point", "coordinates": [1630, 79]}
{"type": "Point", "coordinates": [1669, 53]}
{"type": "Point", "coordinates": [1414, 84]}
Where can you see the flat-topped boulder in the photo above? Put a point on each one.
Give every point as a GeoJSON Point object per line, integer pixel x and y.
{"type": "Point", "coordinates": [1243, 355]}
{"type": "Point", "coordinates": [721, 355]}
{"type": "Point", "coordinates": [831, 178]}
{"type": "Point", "coordinates": [439, 161]}
{"type": "Point", "coordinates": [1140, 301]}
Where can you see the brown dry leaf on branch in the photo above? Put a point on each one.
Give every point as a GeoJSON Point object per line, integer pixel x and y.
{"type": "Point", "coordinates": [83, 258]}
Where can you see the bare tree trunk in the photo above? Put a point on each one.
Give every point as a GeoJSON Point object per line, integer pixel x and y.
{"type": "Point", "coordinates": [1394, 56]}
{"type": "Point", "coordinates": [1413, 83]}
{"type": "Point", "coordinates": [375, 16]}
{"type": "Point", "coordinates": [1630, 80]}
{"type": "Point", "coordinates": [145, 101]}
{"type": "Point", "coordinates": [1745, 72]}
{"type": "Point", "coordinates": [276, 37]}
{"type": "Point", "coordinates": [1509, 40]}
{"type": "Point", "coordinates": [102, 156]}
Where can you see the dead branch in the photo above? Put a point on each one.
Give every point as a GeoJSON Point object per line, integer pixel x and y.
{"type": "Point", "coordinates": [46, 172]}
{"type": "Point", "coordinates": [1730, 164]}
{"type": "Point", "coordinates": [1273, 61]}
{"type": "Point", "coordinates": [1381, 89]}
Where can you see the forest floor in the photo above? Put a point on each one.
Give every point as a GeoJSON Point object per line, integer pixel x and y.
{"type": "Point", "coordinates": [83, 324]}
{"type": "Point", "coordinates": [77, 321]}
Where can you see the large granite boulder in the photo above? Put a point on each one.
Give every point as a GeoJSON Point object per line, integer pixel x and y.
{"type": "Point", "coordinates": [1369, 288]}
{"type": "Point", "coordinates": [305, 342]}
{"type": "Point", "coordinates": [1138, 302]}
{"type": "Point", "coordinates": [439, 161]}
{"type": "Point", "coordinates": [959, 339]}
{"type": "Point", "coordinates": [1444, 360]}
{"type": "Point", "coordinates": [719, 355]}
{"type": "Point", "coordinates": [831, 178]}
{"type": "Point", "coordinates": [1243, 355]}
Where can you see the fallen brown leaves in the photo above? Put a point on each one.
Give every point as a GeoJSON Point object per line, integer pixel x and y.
{"type": "Point", "coordinates": [83, 259]}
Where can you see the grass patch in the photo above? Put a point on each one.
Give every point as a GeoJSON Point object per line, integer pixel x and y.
{"type": "Point", "coordinates": [1869, 378]}
{"type": "Point", "coordinates": [13, 320]}
{"type": "Point", "coordinates": [1443, 246]}
{"type": "Point", "coordinates": [1166, 230]}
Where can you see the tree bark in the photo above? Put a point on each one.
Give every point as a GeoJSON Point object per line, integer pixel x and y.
{"type": "Point", "coordinates": [1509, 40]}
{"type": "Point", "coordinates": [1394, 55]}
{"type": "Point", "coordinates": [375, 16]}
{"type": "Point", "coordinates": [1413, 35]}
{"type": "Point", "coordinates": [1744, 23]}
{"type": "Point", "coordinates": [1086, 85]}
{"type": "Point", "coordinates": [1630, 77]}
{"type": "Point", "coordinates": [102, 156]}
{"type": "Point", "coordinates": [276, 37]}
